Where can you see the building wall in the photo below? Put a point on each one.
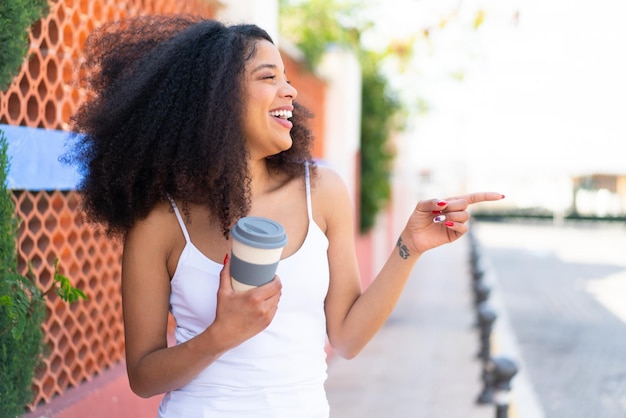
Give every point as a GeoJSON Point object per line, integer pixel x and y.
{"type": "Point", "coordinates": [342, 72]}
{"type": "Point", "coordinates": [311, 94]}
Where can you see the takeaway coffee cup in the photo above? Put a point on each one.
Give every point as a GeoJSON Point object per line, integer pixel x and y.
{"type": "Point", "coordinates": [257, 247]}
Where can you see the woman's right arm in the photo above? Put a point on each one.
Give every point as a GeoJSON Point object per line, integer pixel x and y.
{"type": "Point", "coordinates": [152, 367]}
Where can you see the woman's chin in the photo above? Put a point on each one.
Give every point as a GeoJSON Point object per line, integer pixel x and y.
{"type": "Point", "coordinates": [286, 146]}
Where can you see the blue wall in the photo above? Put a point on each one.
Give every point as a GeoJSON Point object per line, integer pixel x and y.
{"type": "Point", "coordinates": [34, 159]}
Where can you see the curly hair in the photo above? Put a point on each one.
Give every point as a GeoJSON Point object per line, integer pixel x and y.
{"type": "Point", "coordinates": [164, 117]}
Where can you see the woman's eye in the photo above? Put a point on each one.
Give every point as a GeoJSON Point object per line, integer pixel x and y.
{"type": "Point", "coordinates": [269, 77]}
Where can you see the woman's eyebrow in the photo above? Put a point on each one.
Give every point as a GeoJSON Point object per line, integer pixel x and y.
{"type": "Point", "coordinates": [263, 66]}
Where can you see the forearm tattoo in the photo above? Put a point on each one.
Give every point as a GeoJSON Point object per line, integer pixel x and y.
{"type": "Point", "coordinates": [402, 249]}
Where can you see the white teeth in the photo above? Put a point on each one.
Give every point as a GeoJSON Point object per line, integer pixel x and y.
{"type": "Point", "coordinates": [283, 114]}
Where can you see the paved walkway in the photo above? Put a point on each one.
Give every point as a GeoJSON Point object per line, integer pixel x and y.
{"type": "Point", "coordinates": [422, 363]}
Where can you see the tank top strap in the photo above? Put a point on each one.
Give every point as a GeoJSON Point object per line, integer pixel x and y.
{"type": "Point", "coordinates": [307, 181]}
{"type": "Point", "coordinates": [180, 218]}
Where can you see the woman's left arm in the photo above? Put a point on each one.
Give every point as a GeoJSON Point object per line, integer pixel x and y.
{"type": "Point", "coordinates": [353, 316]}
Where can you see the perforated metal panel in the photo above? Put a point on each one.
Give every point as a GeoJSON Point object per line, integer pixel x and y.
{"type": "Point", "coordinates": [86, 337]}
{"type": "Point", "coordinates": [42, 94]}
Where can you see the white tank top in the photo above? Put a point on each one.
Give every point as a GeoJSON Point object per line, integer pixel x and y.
{"type": "Point", "coordinates": [278, 373]}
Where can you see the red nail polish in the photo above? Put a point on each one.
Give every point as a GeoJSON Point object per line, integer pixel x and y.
{"type": "Point", "coordinates": [449, 223]}
{"type": "Point", "coordinates": [442, 203]}
{"type": "Point", "coordinates": [502, 196]}
{"type": "Point", "coordinates": [436, 212]}
{"type": "Point", "coordinates": [226, 259]}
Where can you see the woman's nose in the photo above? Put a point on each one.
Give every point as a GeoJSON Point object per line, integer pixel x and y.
{"type": "Point", "coordinates": [290, 91]}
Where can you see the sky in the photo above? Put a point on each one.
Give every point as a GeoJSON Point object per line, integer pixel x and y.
{"type": "Point", "coordinates": [543, 93]}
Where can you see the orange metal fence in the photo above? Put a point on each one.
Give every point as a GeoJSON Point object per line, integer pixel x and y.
{"type": "Point", "coordinates": [42, 95]}
{"type": "Point", "coordinates": [86, 337]}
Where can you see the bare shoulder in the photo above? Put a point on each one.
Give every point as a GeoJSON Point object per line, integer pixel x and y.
{"type": "Point", "coordinates": [328, 182]}
{"type": "Point", "coordinates": [158, 235]}
{"type": "Point", "coordinates": [160, 220]}
{"type": "Point", "coordinates": [331, 199]}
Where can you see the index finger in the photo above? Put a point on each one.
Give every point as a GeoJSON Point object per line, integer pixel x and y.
{"type": "Point", "coordinates": [471, 198]}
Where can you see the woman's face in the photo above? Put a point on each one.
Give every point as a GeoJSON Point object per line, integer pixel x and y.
{"type": "Point", "coordinates": [269, 103]}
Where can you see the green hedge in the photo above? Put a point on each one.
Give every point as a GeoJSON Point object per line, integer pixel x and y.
{"type": "Point", "coordinates": [22, 302]}
{"type": "Point", "coordinates": [16, 17]}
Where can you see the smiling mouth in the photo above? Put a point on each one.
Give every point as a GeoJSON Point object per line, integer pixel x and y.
{"type": "Point", "coordinates": [282, 114]}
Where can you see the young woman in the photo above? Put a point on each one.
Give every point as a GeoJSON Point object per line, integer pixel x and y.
{"type": "Point", "coordinates": [191, 125]}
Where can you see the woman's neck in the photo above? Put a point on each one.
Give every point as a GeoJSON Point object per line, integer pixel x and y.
{"type": "Point", "coordinates": [262, 180]}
